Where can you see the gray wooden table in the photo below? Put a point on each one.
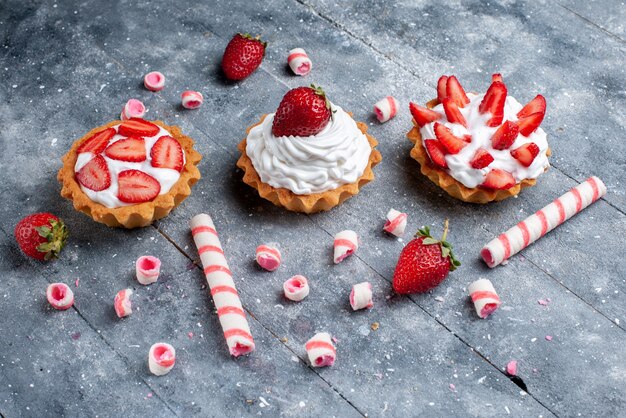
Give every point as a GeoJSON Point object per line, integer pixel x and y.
{"type": "Point", "coordinates": [69, 66]}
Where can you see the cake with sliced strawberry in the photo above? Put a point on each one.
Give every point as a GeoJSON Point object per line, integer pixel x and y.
{"type": "Point", "coordinates": [479, 147]}
{"type": "Point", "coordinates": [129, 173]}
{"type": "Point", "coordinates": [308, 156]}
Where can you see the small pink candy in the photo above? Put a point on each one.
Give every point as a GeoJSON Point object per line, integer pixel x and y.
{"type": "Point", "coordinates": [361, 296]}
{"type": "Point", "coordinates": [268, 256]}
{"type": "Point", "coordinates": [60, 296]}
{"type": "Point", "coordinates": [191, 99]}
{"type": "Point", "coordinates": [133, 109]}
{"type": "Point", "coordinates": [511, 368]}
{"type": "Point", "coordinates": [548, 337]}
{"type": "Point", "coordinates": [386, 108]}
{"type": "Point", "coordinates": [122, 303]}
{"type": "Point", "coordinates": [147, 269]}
{"type": "Point", "coordinates": [296, 288]}
{"type": "Point", "coordinates": [154, 81]}
{"type": "Point", "coordinates": [161, 358]}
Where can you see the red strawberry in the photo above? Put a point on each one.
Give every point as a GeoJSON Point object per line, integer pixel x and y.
{"type": "Point", "coordinates": [452, 143]}
{"type": "Point", "coordinates": [529, 124]}
{"type": "Point", "coordinates": [97, 142]}
{"type": "Point", "coordinates": [442, 88]}
{"type": "Point", "coordinates": [41, 235]}
{"type": "Point", "coordinates": [137, 187]}
{"type": "Point", "coordinates": [467, 138]}
{"type": "Point", "coordinates": [536, 105]}
{"type": "Point", "coordinates": [304, 111]}
{"type": "Point", "coordinates": [437, 152]}
{"type": "Point", "coordinates": [242, 56]}
{"type": "Point", "coordinates": [452, 112]}
{"type": "Point", "coordinates": [499, 180]}
{"type": "Point", "coordinates": [526, 153]}
{"type": "Point", "coordinates": [138, 127]}
{"type": "Point", "coordinates": [493, 103]}
{"type": "Point", "coordinates": [497, 77]}
{"type": "Point", "coordinates": [131, 149]}
{"type": "Point", "coordinates": [505, 135]}
{"type": "Point", "coordinates": [481, 159]}
{"type": "Point", "coordinates": [95, 174]}
{"type": "Point", "coordinates": [167, 153]}
{"type": "Point", "coordinates": [455, 92]}
{"type": "Point", "coordinates": [422, 115]}
{"type": "Point", "coordinates": [424, 263]}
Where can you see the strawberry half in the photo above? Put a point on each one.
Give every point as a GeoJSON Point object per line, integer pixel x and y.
{"type": "Point", "coordinates": [505, 135]}
{"type": "Point", "coordinates": [131, 149]}
{"type": "Point", "coordinates": [442, 88]}
{"type": "Point", "coordinates": [452, 112]}
{"type": "Point", "coordinates": [137, 187]}
{"type": "Point", "coordinates": [497, 77]}
{"type": "Point", "coordinates": [424, 263]}
{"type": "Point", "coordinates": [423, 115]}
{"type": "Point", "coordinates": [481, 159]}
{"type": "Point", "coordinates": [242, 56]}
{"type": "Point", "coordinates": [97, 142]}
{"type": "Point", "coordinates": [536, 105]}
{"type": "Point", "coordinates": [138, 127]}
{"type": "Point", "coordinates": [303, 111]}
{"type": "Point", "coordinates": [95, 174]}
{"type": "Point", "coordinates": [493, 103]}
{"type": "Point", "coordinates": [167, 153]}
{"type": "Point", "coordinates": [453, 144]}
{"type": "Point", "coordinates": [437, 152]}
{"type": "Point", "coordinates": [499, 180]}
{"type": "Point", "coordinates": [455, 92]}
{"type": "Point", "coordinates": [529, 124]}
{"type": "Point", "coordinates": [526, 153]}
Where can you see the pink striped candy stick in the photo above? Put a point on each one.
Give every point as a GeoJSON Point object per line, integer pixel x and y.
{"type": "Point", "coordinates": [229, 309]}
{"type": "Point", "coordinates": [543, 221]}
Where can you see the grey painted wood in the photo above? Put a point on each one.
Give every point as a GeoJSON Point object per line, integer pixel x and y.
{"type": "Point", "coordinates": [422, 345]}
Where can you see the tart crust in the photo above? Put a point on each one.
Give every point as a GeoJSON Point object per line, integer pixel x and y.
{"type": "Point", "coordinates": [310, 203]}
{"type": "Point", "coordinates": [451, 185]}
{"type": "Point", "coordinates": [141, 214]}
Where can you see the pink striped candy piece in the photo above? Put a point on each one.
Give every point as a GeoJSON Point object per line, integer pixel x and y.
{"type": "Point", "coordinates": [60, 296]}
{"type": "Point", "coordinates": [386, 109]}
{"type": "Point", "coordinates": [154, 81]}
{"type": "Point", "coordinates": [191, 99]}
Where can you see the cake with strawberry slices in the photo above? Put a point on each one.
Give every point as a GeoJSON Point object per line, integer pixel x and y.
{"type": "Point", "coordinates": [308, 156]}
{"type": "Point", "coordinates": [479, 147]}
{"type": "Point", "coordinates": [129, 173]}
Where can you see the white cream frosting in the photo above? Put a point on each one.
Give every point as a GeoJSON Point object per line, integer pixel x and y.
{"type": "Point", "coordinates": [337, 155]}
{"type": "Point", "coordinates": [459, 164]}
{"type": "Point", "coordinates": [166, 177]}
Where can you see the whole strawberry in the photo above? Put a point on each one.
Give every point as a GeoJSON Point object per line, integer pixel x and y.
{"type": "Point", "coordinates": [424, 263]}
{"type": "Point", "coordinates": [304, 111]}
{"type": "Point", "coordinates": [242, 56]}
{"type": "Point", "coordinates": [41, 235]}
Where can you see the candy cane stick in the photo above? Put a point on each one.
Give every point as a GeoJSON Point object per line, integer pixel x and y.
{"type": "Point", "coordinates": [346, 242]}
{"type": "Point", "coordinates": [321, 350]}
{"type": "Point", "coordinates": [361, 296]}
{"type": "Point", "coordinates": [396, 222]}
{"type": "Point", "coordinates": [484, 296]}
{"type": "Point", "coordinates": [299, 62]}
{"type": "Point", "coordinates": [229, 309]}
{"type": "Point", "coordinates": [386, 109]}
{"type": "Point", "coordinates": [543, 221]}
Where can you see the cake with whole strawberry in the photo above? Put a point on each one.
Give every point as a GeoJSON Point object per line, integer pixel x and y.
{"type": "Point", "coordinates": [308, 156]}
{"type": "Point", "coordinates": [479, 147]}
{"type": "Point", "coordinates": [129, 173]}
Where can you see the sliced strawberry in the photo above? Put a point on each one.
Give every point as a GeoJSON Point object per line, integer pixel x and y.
{"type": "Point", "coordinates": [423, 115]}
{"type": "Point", "coordinates": [526, 153]}
{"type": "Point", "coordinates": [452, 112]}
{"type": "Point", "coordinates": [167, 153]}
{"type": "Point", "coordinates": [138, 127]}
{"type": "Point", "coordinates": [97, 142]}
{"type": "Point", "coordinates": [136, 187]}
{"type": "Point", "coordinates": [455, 92]}
{"type": "Point", "coordinates": [453, 144]}
{"type": "Point", "coordinates": [481, 159]}
{"type": "Point", "coordinates": [442, 88]}
{"type": "Point", "coordinates": [536, 105]}
{"type": "Point", "coordinates": [529, 124]}
{"type": "Point", "coordinates": [131, 149]}
{"type": "Point", "coordinates": [95, 174]}
{"type": "Point", "coordinates": [493, 103]}
{"type": "Point", "coordinates": [497, 77]}
{"type": "Point", "coordinates": [467, 138]}
{"type": "Point", "coordinates": [505, 135]}
{"type": "Point", "coordinates": [437, 152]}
{"type": "Point", "coordinates": [499, 180]}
